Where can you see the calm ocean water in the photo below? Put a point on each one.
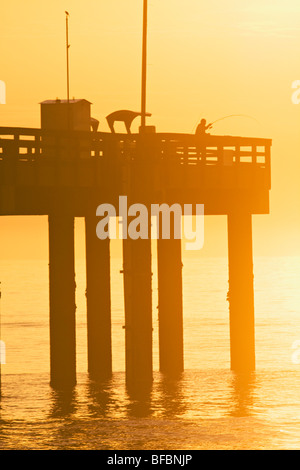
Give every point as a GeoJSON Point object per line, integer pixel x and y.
{"type": "Point", "coordinates": [208, 408]}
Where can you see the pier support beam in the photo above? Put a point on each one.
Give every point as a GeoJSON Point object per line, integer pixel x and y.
{"type": "Point", "coordinates": [62, 301]}
{"type": "Point", "coordinates": [241, 293]}
{"type": "Point", "coordinates": [98, 303]}
{"type": "Point", "coordinates": [138, 310]}
{"type": "Point", "coordinates": [137, 267]}
{"type": "Point", "coordinates": [169, 264]}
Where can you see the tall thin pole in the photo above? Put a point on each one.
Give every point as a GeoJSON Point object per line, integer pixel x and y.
{"type": "Point", "coordinates": [144, 65]}
{"type": "Point", "coordinates": [1, 346]}
{"type": "Point", "coordinates": [67, 50]}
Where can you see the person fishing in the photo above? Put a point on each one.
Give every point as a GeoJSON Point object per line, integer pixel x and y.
{"type": "Point", "coordinates": [202, 128]}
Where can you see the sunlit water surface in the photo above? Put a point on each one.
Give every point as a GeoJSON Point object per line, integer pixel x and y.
{"type": "Point", "coordinates": [209, 407]}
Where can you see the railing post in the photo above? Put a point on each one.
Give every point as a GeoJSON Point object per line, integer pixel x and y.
{"type": "Point", "coordinates": [220, 154]}
{"type": "Point", "coordinates": [254, 154]}
{"type": "Point", "coordinates": [237, 154]}
{"type": "Point", "coordinates": [268, 163]}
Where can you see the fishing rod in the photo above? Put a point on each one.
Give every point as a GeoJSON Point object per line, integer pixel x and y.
{"type": "Point", "coordinates": [230, 116]}
{"type": "Point", "coordinates": [234, 115]}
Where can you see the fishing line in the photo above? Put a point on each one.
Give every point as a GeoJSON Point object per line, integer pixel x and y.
{"type": "Point", "coordinates": [230, 116]}
{"type": "Point", "coordinates": [235, 115]}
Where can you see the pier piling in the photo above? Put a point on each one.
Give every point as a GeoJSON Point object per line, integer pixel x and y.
{"type": "Point", "coordinates": [98, 298]}
{"type": "Point", "coordinates": [169, 265]}
{"type": "Point", "coordinates": [241, 293]}
{"type": "Point", "coordinates": [138, 310]}
{"type": "Point", "coordinates": [62, 301]}
{"type": "Point", "coordinates": [137, 270]}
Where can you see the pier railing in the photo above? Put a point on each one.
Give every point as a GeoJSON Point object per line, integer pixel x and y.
{"type": "Point", "coordinates": [67, 153]}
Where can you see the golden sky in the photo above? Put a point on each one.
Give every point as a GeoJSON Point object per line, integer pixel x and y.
{"type": "Point", "coordinates": [205, 59]}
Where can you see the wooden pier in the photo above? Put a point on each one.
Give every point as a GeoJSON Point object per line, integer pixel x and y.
{"type": "Point", "coordinates": [67, 173]}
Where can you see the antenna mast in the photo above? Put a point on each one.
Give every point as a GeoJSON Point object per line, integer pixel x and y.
{"type": "Point", "coordinates": [144, 65]}
{"type": "Point", "coordinates": [67, 50]}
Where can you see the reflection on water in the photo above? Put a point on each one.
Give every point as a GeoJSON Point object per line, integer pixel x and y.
{"type": "Point", "coordinates": [214, 409]}
{"type": "Point", "coordinates": [100, 398]}
{"type": "Point", "coordinates": [171, 396]}
{"type": "Point", "coordinates": [111, 398]}
{"type": "Point", "coordinates": [63, 403]}
{"type": "Point", "coordinates": [140, 400]}
{"type": "Point", "coordinates": [166, 398]}
{"type": "Point", "coordinates": [242, 393]}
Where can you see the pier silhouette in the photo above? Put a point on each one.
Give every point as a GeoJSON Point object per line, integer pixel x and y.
{"type": "Point", "coordinates": [65, 170]}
